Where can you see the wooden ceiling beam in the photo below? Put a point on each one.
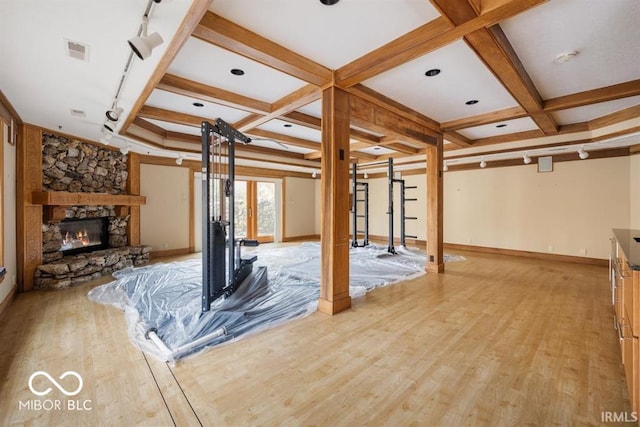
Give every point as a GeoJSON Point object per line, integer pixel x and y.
{"type": "Point", "coordinates": [494, 49]}
{"type": "Point", "coordinates": [484, 119]}
{"type": "Point", "coordinates": [511, 137]}
{"type": "Point", "coordinates": [368, 115]}
{"type": "Point", "coordinates": [492, 46]}
{"type": "Point", "coordinates": [395, 107]}
{"type": "Point", "coordinates": [181, 86]}
{"type": "Point", "coordinates": [287, 104]}
{"type": "Point", "coordinates": [400, 147]}
{"type": "Point", "coordinates": [155, 113]}
{"type": "Point", "coordinates": [427, 38]}
{"type": "Point", "coordinates": [302, 119]}
{"type": "Point", "coordinates": [361, 155]}
{"type": "Point", "coordinates": [458, 139]}
{"type": "Point", "coordinates": [221, 32]}
{"type": "Point", "coordinates": [147, 125]}
{"type": "Point", "coordinates": [616, 117]}
{"type": "Point", "coordinates": [603, 94]}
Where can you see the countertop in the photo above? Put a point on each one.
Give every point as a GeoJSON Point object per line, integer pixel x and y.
{"type": "Point", "coordinates": [629, 246]}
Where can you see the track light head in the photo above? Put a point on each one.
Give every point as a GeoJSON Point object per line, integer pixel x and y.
{"type": "Point", "coordinates": [526, 159]}
{"type": "Point", "coordinates": [366, 175]}
{"type": "Point", "coordinates": [314, 174]}
{"type": "Point", "coordinates": [125, 149]}
{"type": "Point", "coordinates": [582, 153]}
{"type": "Point", "coordinates": [483, 164]}
{"type": "Point", "coordinates": [114, 114]}
{"type": "Point", "coordinates": [109, 126]}
{"type": "Point", "coordinates": [143, 46]}
{"type": "Point", "coordinates": [445, 167]}
{"type": "Point", "coordinates": [179, 160]}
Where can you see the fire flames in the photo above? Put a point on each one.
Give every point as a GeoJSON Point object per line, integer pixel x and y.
{"type": "Point", "coordinates": [73, 240]}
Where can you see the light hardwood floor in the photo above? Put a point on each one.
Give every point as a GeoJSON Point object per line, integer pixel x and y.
{"type": "Point", "coordinates": [497, 340]}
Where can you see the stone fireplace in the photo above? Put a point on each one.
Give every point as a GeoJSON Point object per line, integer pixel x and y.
{"type": "Point", "coordinates": [86, 213]}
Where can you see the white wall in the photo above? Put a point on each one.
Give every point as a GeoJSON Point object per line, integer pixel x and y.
{"type": "Point", "coordinates": [9, 231]}
{"type": "Point", "coordinates": [634, 193]}
{"type": "Point", "coordinates": [301, 203]}
{"type": "Point", "coordinates": [569, 211]}
{"type": "Point", "coordinates": [164, 219]}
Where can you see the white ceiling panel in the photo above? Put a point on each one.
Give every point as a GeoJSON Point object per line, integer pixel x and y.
{"type": "Point", "coordinates": [174, 127]}
{"type": "Point", "coordinates": [313, 109]}
{"type": "Point", "coordinates": [463, 77]}
{"type": "Point", "coordinates": [376, 151]}
{"type": "Point", "coordinates": [330, 35]}
{"type": "Point", "coordinates": [606, 55]}
{"type": "Point", "coordinates": [211, 65]}
{"type": "Point", "coordinates": [184, 104]}
{"type": "Point", "coordinates": [43, 83]}
{"type": "Point", "coordinates": [486, 131]}
{"type": "Point", "coordinates": [297, 131]}
{"type": "Point", "coordinates": [590, 112]}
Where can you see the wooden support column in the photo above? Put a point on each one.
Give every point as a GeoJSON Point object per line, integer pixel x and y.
{"type": "Point", "coordinates": [133, 188]}
{"type": "Point", "coordinates": [29, 216]}
{"type": "Point", "coordinates": [435, 261]}
{"type": "Point", "coordinates": [334, 233]}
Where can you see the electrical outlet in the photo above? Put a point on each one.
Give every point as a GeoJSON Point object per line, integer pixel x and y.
{"type": "Point", "coordinates": [165, 245]}
{"type": "Point", "coordinates": [583, 252]}
{"type": "Point", "coordinates": [550, 248]}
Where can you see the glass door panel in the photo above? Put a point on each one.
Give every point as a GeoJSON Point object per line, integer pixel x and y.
{"type": "Point", "coordinates": [241, 210]}
{"type": "Point", "coordinates": [266, 211]}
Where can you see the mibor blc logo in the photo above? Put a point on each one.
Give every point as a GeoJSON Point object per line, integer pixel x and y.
{"type": "Point", "coordinates": [40, 388]}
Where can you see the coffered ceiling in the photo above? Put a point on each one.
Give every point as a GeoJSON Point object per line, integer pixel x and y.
{"type": "Point", "coordinates": [500, 53]}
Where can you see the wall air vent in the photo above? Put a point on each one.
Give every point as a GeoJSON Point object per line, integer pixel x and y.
{"type": "Point", "coordinates": [77, 50]}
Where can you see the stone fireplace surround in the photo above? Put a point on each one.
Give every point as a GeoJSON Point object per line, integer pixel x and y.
{"type": "Point", "coordinates": [69, 169]}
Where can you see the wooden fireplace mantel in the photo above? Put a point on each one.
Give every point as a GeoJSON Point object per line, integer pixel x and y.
{"type": "Point", "coordinates": [64, 198]}
{"type": "Point", "coordinates": [55, 202]}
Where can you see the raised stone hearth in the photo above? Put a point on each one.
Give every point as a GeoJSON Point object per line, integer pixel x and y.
{"type": "Point", "coordinates": [76, 269]}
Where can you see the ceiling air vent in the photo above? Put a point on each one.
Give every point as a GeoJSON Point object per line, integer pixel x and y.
{"type": "Point", "coordinates": [77, 50]}
{"type": "Point", "coordinates": [77, 113]}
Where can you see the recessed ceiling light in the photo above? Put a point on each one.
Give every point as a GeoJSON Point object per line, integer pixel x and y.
{"type": "Point", "coordinates": [501, 125]}
{"type": "Point", "coordinates": [288, 125]}
{"type": "Point", "coordinates": [329, 2]}
{"type": "Point", "coordinates": [565, 57]}
{"type": "Point", "coordinates": [237, 72]}
{"type": "Point", "coordinates": [432, 72]}
{"type": "Point", "coordinates": [472, 101]}
{"type": "Point", "coordinates": [198, 104]}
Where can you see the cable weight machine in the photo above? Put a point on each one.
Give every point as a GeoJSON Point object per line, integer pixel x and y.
{"type": "Point", "coordinates": [223, 267]}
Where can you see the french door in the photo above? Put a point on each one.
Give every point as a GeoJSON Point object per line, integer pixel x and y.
{"type": "Point", "coordinates": [255, 210]}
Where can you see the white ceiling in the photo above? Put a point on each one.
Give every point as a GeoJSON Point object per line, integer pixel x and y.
{"type": "Point", "coordinates": [45, 86]}
{"type": "Point", "coordinates": [606, 35]}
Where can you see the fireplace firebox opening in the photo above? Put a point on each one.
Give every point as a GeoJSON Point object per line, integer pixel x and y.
{"type": "Point", "coordinates": [84, 235]}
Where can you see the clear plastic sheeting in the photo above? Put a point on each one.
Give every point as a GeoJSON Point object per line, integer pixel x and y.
{"type": "Point", "coordinates": [162, 302]}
